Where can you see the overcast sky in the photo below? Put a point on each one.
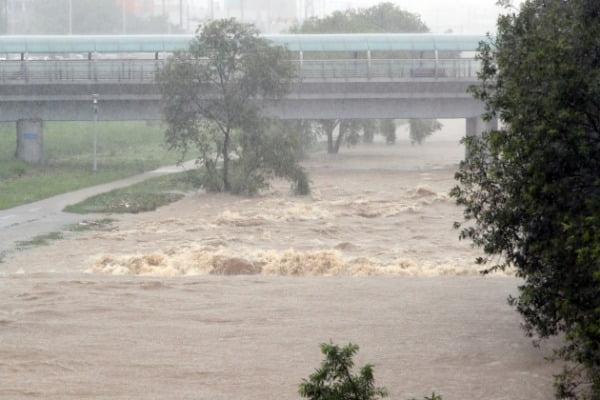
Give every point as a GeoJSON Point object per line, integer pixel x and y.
{"type": "Point", "coordinates": [461, 16]}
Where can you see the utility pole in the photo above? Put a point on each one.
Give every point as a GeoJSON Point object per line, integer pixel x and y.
{"type": "Point", "coordinates": [166, 18]}
{"type": "Point", "coordinates": [242, 10]}
{"type": "Point", "coordinates": [95, 109]}
{"type": "Point", "coordinates": [25, 11]}
{"type": "Point", "coordinates": [181, 14]}
{"type": "Point", "coordinates": [309, 9]}
{"type": "Point", "coordinates": [70, 17]}
{"type": "Point", "coordinates": [124, 16]}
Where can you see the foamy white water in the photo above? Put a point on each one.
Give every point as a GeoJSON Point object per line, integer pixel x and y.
{"type": "Point", "coordinates": [370, 257]}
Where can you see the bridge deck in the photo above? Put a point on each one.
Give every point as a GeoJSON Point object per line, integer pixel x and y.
{"type": "Point", "coordinates": [62, 89]}
{"type": "Point", "coordinates": [294, 42]}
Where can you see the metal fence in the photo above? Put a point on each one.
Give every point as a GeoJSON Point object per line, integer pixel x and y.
{"type": "Point", "coordinates": [388, 69]}
{"type": "Point", "coordinates": [144, 71]}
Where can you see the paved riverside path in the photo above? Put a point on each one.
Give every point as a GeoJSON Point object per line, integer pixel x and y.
{"type": "Point", "coordinates": [29, 220]}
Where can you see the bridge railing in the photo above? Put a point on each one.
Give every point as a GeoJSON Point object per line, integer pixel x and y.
{"type": "Point", "coordinates": [389, 69]}
{"type": "Point", "coordinates": [144, 71]}
{"type": "Point", "coordinates": [57, 71]}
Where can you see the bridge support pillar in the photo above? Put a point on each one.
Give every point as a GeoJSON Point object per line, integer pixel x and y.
{"type": "Point", "coordinates": [30, 140]}
{"type": "Point", "coordinates": [476, 125]}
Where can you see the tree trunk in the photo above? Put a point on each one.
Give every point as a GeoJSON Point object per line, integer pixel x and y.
{"type": "Point", "coordinates": [226, 162]}
{"type": "Point", "coordinates": [329, 127]}
{"type": "Point", "coordinates": [340, 137]}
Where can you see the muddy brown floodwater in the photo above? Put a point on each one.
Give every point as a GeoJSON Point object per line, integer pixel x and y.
{"type": "Point", "coordinates": [221, 297]}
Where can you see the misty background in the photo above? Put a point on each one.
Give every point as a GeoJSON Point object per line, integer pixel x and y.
{"type": "Point", "coordinates": [183, 16]}
{"type": "Point", "coordinates": [270, 16]}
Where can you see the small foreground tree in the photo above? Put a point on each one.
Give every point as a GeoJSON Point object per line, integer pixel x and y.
{"type": "Point", "coordinates": [334, 379]}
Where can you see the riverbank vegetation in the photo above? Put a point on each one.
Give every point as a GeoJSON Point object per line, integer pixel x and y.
{"type": "Point", "coordinates": [145, 196]}
{"type": "Point", "coordinates": [208, 101]}
{"type": "Point", "coordinates": [335, 379]}
{"type": "Point", "coordinates": [384, 17]}
{"type": "Point", "coordinates": [531, 189]}
{"type": "Point", "coordinates": [124, 149]}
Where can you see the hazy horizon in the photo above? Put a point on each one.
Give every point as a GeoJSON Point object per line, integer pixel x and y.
{"type": "Point", "coordinates": [472, 16]}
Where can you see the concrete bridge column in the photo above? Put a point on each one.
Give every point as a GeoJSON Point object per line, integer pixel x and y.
{"type": "Point", "coordinates": [30, 140]}
{"type": "Point", "coordinates": [476, 126]}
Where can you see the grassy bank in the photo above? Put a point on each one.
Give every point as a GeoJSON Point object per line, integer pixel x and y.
{"type": "Point", "coordinates": [141, 197]}
{"type": "Point", "coordinates": [124, 149]}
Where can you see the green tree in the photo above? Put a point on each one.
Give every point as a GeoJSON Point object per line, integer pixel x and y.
{"type": "Point", "coordinates": [422, 128]}
{"type": "Point", "coordinates": [327, 127]}
{"type": "Point", "coordinates": [369, 127]}
{"type": "Point", "coordinates": [211, 101]}
{"type": "Point", "coordinates": [385, 17]}
{"type": "Point", "coordinates": [334, 379]}
{"type": "Point", "coordinates": [531, 189]}
{"type": "Point", "coordinates": [387, 128]}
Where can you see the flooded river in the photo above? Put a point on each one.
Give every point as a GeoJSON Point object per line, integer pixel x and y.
{"type": "Point", "coordinates": [221, 297]}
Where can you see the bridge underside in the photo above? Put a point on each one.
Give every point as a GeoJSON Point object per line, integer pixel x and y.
{"type": "Point", "coordinates": [308, 100]}
{"type": "Point", "coordinates": [126, 110]}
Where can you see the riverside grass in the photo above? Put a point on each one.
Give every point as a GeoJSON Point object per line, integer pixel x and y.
{"type": "Point", "coordinates": [39, 240]}
{"type": "Point", "coordinates": [124, 149]}
{"type": "Point", "coordinates": [141, 197]}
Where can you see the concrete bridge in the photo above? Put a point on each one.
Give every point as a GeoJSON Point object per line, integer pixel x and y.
{"type": "Point", "coordinates": [327, 89]}
{"type": "Point", "coordinates": [50, 81]}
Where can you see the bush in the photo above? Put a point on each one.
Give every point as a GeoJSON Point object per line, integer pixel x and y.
{"type": "Point", "coordinates": [334, 379]}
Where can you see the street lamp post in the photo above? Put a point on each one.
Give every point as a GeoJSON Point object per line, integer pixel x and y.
{"type": "Point", "coordinates": [95, 128]}
{"type": "Point", "coordinates": [181, 14]}
{"type": "Point", "coordinates": [70, 17]}
{"type": "Point", "coordinates": [124, 18]}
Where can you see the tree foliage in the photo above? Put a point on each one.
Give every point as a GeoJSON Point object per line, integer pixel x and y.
{"type": "Point", "coordinates": [369, 127]}
{"type": "Point", "coordinates": [348, 131]}
{"type": "Point", "coordinates": [212, 95]}
{"type": "Point", "coordinates": [334, 379]}
{"type": "Point", "coordinates": [532, 188]}
{"type": "Point", "coordinates": [387, 127]}
{"type": "Point", "coordinates": [384, 17]}
{"type": "Point", "coordinates": [422, 128]}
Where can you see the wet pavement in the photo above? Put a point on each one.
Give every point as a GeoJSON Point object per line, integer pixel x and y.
{"type": "Point", "coordinates": [24, 222]}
